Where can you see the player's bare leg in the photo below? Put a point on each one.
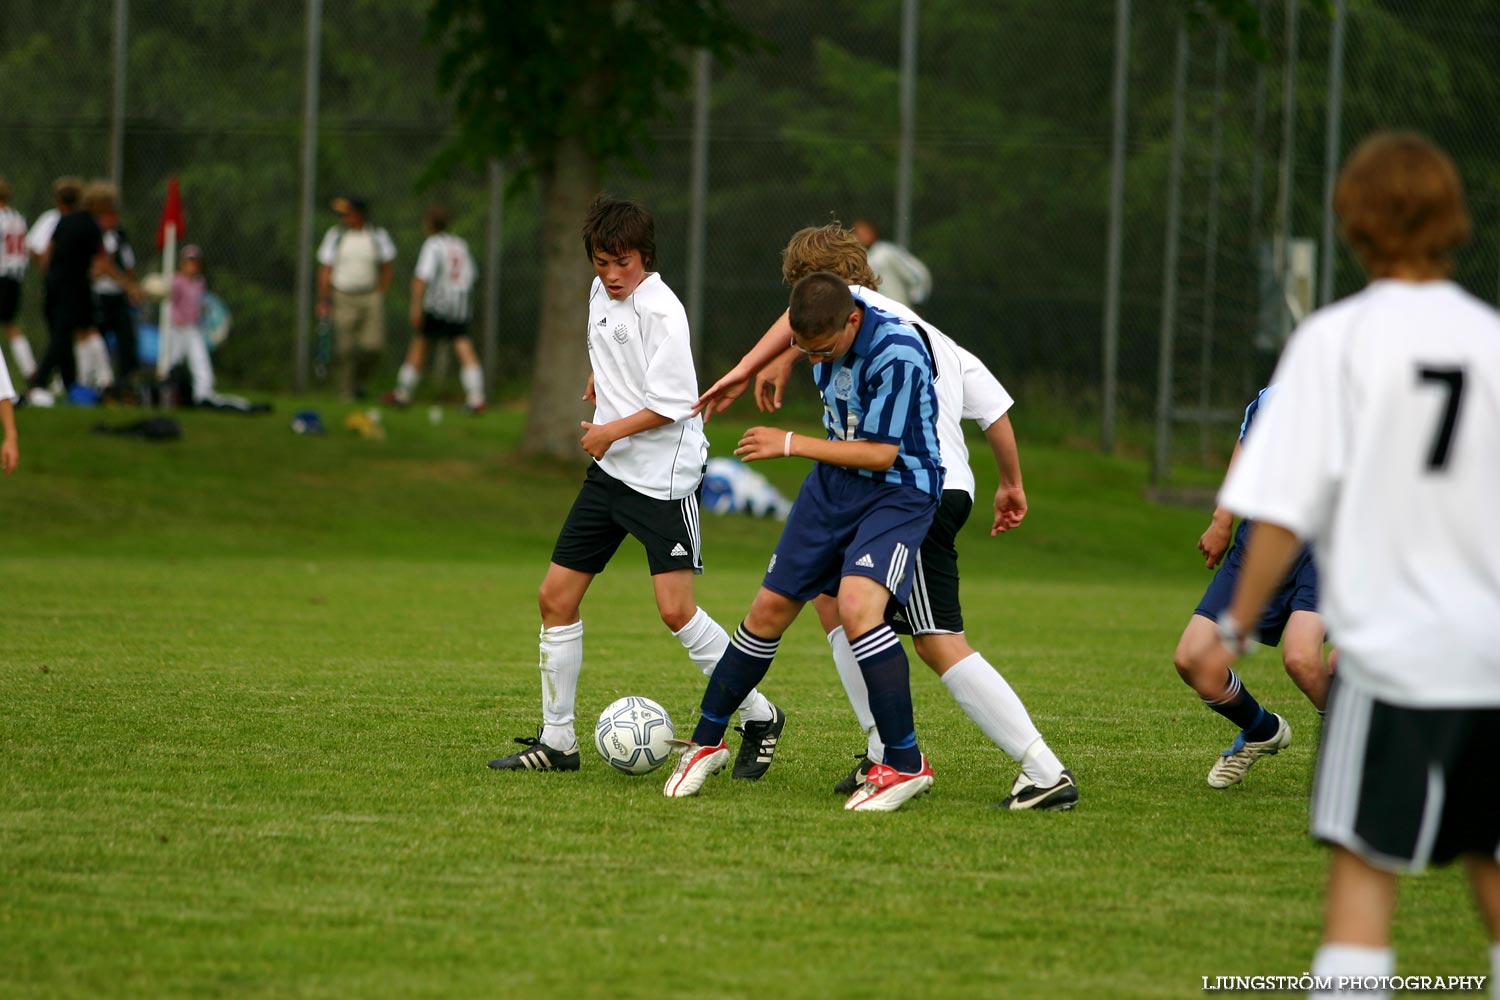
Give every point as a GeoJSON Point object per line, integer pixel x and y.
{"type": "Point", "coordinates": [470, 374]}
{"type": "Point", "coordinates": [1302, 655]}
{"type": "Point", "coordinates": [1357, 911]}
{"type": "Point", "coordinates": [1484, 881]}
{"type": "Point", "coordinates": [1204, 665]}
{"type": "Point", "coordinates": [409, 374]}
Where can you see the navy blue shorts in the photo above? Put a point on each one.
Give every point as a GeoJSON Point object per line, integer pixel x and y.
{"type": "Point", "coordinates": [1298, 592]}
{"type": "Point", "coordinates": [844, 524]}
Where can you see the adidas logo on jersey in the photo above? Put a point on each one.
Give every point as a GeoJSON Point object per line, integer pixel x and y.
{"type": "Point", "coordinates": [865, 561]}
{"type": "Point", "coordinates": [678, 550]}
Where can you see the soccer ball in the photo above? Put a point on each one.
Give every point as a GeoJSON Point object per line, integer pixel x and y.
{"type": "Point", "coordinates": [632, 735]}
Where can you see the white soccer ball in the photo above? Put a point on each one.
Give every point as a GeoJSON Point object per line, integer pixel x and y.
{"type": "Point", "coordinates": [632, 735]}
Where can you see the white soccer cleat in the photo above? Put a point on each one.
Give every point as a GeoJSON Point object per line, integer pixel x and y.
{"type": "Point", "coordinates": [1232, 764]}
{"type": "Point", "coordinates": [885, 789]}
{"type": "Point", "coordinates": [694, 765]}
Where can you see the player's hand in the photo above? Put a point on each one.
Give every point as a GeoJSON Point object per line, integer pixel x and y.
{"type": "Point", "coordinates": [761, 442]}
{"type": "Point", "coordinates": [596, 437]}
{"type": "Point", "coordinates": [133, 293]}
{"type": "Point", "coordinates": [1010, 509]}
{"type": "Point", "coordinates": [1214, 542]}
{"type": "Point", "coordinates": [721, 394]}
{"type": "Point", "coordinates": [10, 456]}
{"type": "Point", "coordinates": [322, 310]}
{"type": "Point", "coordinates": [588, 392]}
{"type": "Point", "coordinates": [771, 382]}
{"type": "Point", "coordinates": [415, 316]}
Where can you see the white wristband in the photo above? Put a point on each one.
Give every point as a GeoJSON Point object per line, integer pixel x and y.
{"type": "Point", "coordinates": [1235, 637]}
{"type": "Point", "coordinates": [786, 449]}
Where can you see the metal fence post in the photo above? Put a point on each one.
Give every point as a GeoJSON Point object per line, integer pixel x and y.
{"type": "Point", "coordinates": [1331, 146]}
{"type": "Point", "coordinates": [493, 231]}
{"type": "Point", "coordinates": [1211, 240]}
{"type": "Point", "coordinates": [1110, 348]}
{"type": "Point", "coordinates": [117, 109]}
{"type": "Point", "coordinates": [697, 236]}
{"type": "Point", "coordinates": [305, 261]}
{"type": "Point", "coordinates": [902, 222]}
{"type": "Point", "coordinates": [1162, 456]}
{"type": "Point", "coordinates": [1288, 143]}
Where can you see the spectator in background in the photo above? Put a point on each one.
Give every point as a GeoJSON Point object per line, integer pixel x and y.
{"type": "Point", "coordinates": [13, 261]}
{"type": "Point", "coordinates": [72, 259]}
{"type": "Point", "coordinates": [114, 312]}
{"type": "Point", "coordinates": [66, 191]}
{"type": "Point", "coordinates": [353, 275]}
{"type": "Point", "coordinates": [441, 306]}
{"type": "Point", "coordinates": [101, 201]}
{"type": "Point", "coordinates": [185, 307]}
{"type": "Point", "coordinates": [902, 276]}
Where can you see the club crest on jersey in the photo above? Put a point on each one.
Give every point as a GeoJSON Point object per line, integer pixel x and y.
{"type": "Point", "coordinates": [622, 333]}
{"type": "Point", "coordinates": [843, 383]}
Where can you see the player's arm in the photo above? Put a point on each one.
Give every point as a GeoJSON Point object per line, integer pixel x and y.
{"type": "Point", "coordinates": [105, 267]}
{"type": "Point", "coordinates": [325, 288]}
{"type": "Point", "coordinates": [1268, 557]}
{"type": "Point", "coordinates": [986, 401]}
{"type": "Point", "coordinates": [1010, 497]}
{"type": "Point", "coordinates": [773, 442]}
{"type": "Point", "coordinates": [729, 388]}
{"type": "Point", "coordinates": [10, 451]}
{"type": "Point", "coordinates": [1214, 541]}
{"type": "Point", "coordinates": [598, 438]}
{"type": "Point", "coordinates": [387, 272]}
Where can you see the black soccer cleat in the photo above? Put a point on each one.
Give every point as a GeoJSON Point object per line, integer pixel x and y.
{"type": "Point", "coordinates": [1027, 794]}
{"type": "Point", "coordinates": [851, 781]}
{"type": "Point", "coordinates": [758, 746]}
{"type": "Point", "coordinates": [537, 756]}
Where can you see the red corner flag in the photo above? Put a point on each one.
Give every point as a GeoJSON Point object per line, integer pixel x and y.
{"type": "Point", "coordinates": [171, 212]}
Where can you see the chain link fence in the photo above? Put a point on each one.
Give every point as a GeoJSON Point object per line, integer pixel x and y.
{"type": "Point", "coordinates": [1226, 170]}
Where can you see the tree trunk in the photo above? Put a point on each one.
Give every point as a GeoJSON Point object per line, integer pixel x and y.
{"type": "Point", "coordinates": [562, 355]}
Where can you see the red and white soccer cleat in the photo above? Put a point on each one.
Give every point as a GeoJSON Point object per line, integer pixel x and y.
{"type": "Point", "coordinates": [885, 789]}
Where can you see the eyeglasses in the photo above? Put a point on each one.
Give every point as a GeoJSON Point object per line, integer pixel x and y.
{"type": "Point", "coordinates": [820, 352]}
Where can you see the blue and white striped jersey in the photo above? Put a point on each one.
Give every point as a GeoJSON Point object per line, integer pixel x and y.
{"type": "Point", "coordinates": [1250, 410]}
{"type": "Point", "coordinates": [881, 390]}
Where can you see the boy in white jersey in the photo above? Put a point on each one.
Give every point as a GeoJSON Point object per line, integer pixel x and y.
{"type": "Point", "coordinates": [13, 259]}
{"type": "Point", "coordinates": [933, 616]}
{"type": "Point", "coordinates": [649, 451]}
{"type": "Point", "coordinates": [442, 291]}
{"type": "Point", "coordinates": [1380, 450]}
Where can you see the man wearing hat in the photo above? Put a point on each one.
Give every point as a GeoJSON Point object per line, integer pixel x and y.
{"type": "Point", "coordinates": [354, 272]}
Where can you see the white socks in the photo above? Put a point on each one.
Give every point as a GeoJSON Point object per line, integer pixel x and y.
{"type": "Point", "coordinates": [561, 663]}
{"type": "Point", "coordinates": [859, 695]}
{"type": "Point", "coordinates": [407, 378]}
{"type": "Point", "coordinates": [986, 698]}
{"type": "Point", "coordinates": [91, 358]}
{"type": "Point", "coordinates": [471, 377]}
{"type": "Point", "coordinates": [705, 641]}
{"type": "Point", "coordinates": [20, 349]}
{"type": "Point", "coordinates": [1351, 960]}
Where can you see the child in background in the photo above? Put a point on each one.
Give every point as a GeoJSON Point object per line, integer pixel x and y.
{"type": "Point", "coordinates": [10, 452]}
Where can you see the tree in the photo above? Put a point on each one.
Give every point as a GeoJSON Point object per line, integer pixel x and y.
{"type": "Point", "coordinates": [563, 90]}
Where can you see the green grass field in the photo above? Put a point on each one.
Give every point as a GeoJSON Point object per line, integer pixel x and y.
{"type": "Point", "coordinates": [250, 682]}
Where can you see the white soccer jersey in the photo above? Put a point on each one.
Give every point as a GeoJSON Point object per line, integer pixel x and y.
{"type": "Point", "coordinates": [355, 256]}
{"type": "Point", "coordinates": [447, 268]}
{"type": "Point", "coordinates": [1381, 448]}
{"type": "Point", "coordinates": [643, 359]}
{"type": "Point", "coordinates": [39, 237]}
{"type": "Point", "coordinates": [965, 390]}
{"type": "Point", "coordinates": [13, 254]}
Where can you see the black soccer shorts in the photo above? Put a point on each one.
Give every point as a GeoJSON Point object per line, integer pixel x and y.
{"type": "Point", "coordinates": [607, 510]}
{"type": "Point", "coordinates": [934, 606]}
{"type": "Point", "coordinates": [1406, 787]}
